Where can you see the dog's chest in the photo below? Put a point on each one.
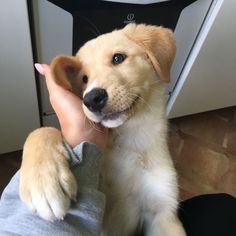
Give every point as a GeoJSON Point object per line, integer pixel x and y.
{"type": "Point", "coordinates": [122, 171]}
{"type": "Point", "coordinates": [125, 164]}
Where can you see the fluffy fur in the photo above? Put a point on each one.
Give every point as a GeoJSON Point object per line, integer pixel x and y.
{"type": "Point", "coordinates": [138, 176]}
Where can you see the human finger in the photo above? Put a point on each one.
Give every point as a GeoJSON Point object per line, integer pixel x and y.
{"type": "Point", "coordinates": [52, 87]}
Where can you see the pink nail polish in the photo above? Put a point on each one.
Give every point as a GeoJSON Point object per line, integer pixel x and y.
{"type": "Point", "coordinates": [39, 68]}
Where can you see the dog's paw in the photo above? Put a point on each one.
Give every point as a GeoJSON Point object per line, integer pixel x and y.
{"type": "Point", "coordinates": [47, 185]}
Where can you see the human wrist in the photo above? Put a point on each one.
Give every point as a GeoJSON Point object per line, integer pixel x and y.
{"type": "Point", "coordinates": [72, 137]}
{"type": "Point", "coordinates": [74, 134]}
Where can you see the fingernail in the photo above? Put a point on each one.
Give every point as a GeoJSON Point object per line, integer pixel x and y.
{"type": "Point", "coordinates": [39, 68]}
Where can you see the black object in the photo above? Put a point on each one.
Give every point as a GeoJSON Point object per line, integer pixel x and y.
{"type": "Point", "coordinates": [96, 99]}
{"type": "Point", "coordinates": [209, 215]}
{"type": "Point", "coordinates": [94, 17]}
{"type": "Point", "coordinates": [118, 58]}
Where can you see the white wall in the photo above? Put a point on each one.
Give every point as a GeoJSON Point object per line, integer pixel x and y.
{"type": "Point", "coordinates": [18, 100]}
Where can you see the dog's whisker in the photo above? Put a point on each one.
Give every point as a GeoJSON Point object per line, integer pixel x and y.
{"type": "Point", "coordinates": [117, 132]}
{"type": "Point", "coordinates": [85, 120]}
{"type": "Point", "coordinates": [144, 86]}
{"type": "Point", "coordinates": [134, 97]}
{"type": "Point", "coordinates": [152, 83]}
{"type": "Point", "coordinates": [94, 126]}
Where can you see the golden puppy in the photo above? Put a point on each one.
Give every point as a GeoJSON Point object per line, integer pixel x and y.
{"type": "Point", "coordinates": [121, 76]}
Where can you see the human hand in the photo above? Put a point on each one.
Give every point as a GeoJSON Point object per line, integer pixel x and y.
{"type": "Point", "coordinates": [75, 126]}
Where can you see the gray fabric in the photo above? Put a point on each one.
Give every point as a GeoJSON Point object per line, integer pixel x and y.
{"type": "Point", "coordinates": [84, 217]}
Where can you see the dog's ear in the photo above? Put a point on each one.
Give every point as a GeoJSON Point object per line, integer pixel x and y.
{"type": "Point", "coordinates": [65, 71]}
{"type": "Point", "coordinates": [158, 43]}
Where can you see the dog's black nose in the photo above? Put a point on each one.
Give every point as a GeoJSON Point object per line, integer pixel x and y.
{"type": "Point", "coordinates": [96, 99]}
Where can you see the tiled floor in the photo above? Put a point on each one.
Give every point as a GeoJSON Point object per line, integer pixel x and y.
{"type": "Point", "coordinates": [203, 147]}
{"type": "Point", "coordinates": [204, 150]}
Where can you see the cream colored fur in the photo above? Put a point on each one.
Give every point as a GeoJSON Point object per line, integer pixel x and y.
{"type": "Point", "coordinates": [138, 176]}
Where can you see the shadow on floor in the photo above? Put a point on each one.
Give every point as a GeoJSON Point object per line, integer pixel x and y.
{"type": "Point", "coordinates": [9, 164]}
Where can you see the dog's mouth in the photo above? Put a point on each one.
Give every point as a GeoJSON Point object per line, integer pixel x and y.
{"type": "Point", "coordinates": [114, 119]}
{"type": "Point", "coordinates": [116, 115]}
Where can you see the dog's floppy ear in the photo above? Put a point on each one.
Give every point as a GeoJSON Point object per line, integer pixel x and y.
{"type": "Point", "coordinates": [158, 43]}
{"type": "Point", "coordinates": [65, 72]}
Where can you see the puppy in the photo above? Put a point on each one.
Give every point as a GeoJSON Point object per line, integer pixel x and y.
{"type": "Point", "coordinates": [121, 76]}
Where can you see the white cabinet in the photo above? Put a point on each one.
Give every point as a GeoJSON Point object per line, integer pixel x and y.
{"type": "Point", "coordinates": [208, 80]}
{"type": "Point", "coordinates": [53, 34]}
{"type": "Point", "coordinates": [19, 112]}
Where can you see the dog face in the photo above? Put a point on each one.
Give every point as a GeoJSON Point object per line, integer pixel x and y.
{"type": "Point", "coordinates": [115, 72]}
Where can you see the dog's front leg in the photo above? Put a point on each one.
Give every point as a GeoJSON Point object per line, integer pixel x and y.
{"type": "Point", "coordinates": [165, 225]}
{"type": "Point", "coordinates": [121, 218]}
{"type": "Point", "coordinates": [46, 183]}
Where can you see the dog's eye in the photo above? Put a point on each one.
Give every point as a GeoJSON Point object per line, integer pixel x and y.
{"type": "Point", "coordinates": [118, 58]}
{"type": "Point", "coordinates": [85, 79]}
